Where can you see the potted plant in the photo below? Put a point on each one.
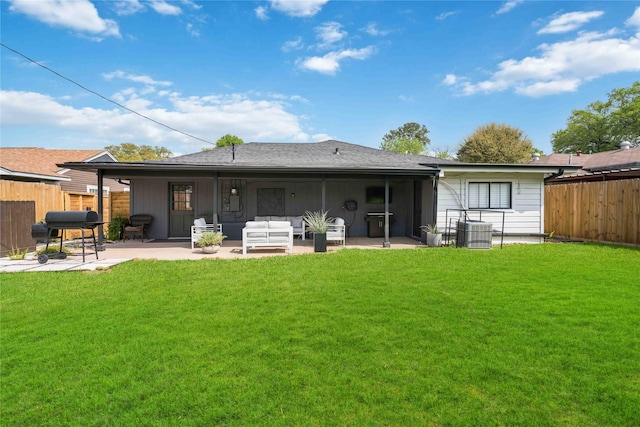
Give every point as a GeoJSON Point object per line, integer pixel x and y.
{"type": "Point", "coordinates": [116, 227]}
{"type": "Point", "coordinates": [210, 241]}
{"type": "Point", "coordinates": [318, 223]}
{"type": "Point", "coordinates": [434, 235]}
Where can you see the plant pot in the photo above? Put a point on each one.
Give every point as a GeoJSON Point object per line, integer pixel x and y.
{"type": "Point", "coordinates": [210, 249]}
{"type": "Point", "coordinates": [320, 242]}
{"type": "Point", "coordinates": [434, 240]}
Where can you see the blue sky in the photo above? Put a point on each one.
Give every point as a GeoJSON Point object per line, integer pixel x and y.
{"type": "Point", "coordinates": [286, 71]}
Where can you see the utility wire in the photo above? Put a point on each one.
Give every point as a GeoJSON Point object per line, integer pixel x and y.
{"type": "Point", "coordinates": [104, 97]}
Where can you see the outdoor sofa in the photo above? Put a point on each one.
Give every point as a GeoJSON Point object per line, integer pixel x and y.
{"type": "Point", "coordinates": [267, 234]}
{"type": "Point", "coordinates": [296, 222]}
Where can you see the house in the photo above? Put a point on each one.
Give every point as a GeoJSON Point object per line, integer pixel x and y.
{"type": "Point", "coordinates": [607, 165]}
{"type": "Point", "coordinates": [30, 164]}
{"type": "Point", "coordinates": [600, 201]}
{"type": "Point", "coordinates": [378, 193]}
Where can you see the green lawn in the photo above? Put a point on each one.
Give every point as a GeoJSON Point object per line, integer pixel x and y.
{"type": "Point", "coordinates": [525, 335]}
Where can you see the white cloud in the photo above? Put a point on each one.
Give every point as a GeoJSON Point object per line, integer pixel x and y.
{"type": "Point", "coordinates": [135, 78]}
{"type": "Point", "coordinates": [405, 98]}
{"type": "Point", "coordinates": [191, 29]}
{"type": "Point", "coordinates": [508, 6]}
{"type": "Point", "coordinates": [164, 8]}
{"type": "Point", "coordinates": [261, 13]}
{"type": "Point", "coordinates": [450, 79]}
{"type": "Point", "coordinates": [290, 45]}
{"type": "Point", "coordinates": [253, 119]}
{"type": "Point", "coordinates": [128, 7]}
{"type": "Point", "coordinates": [569, 22]}
{"type": "Point", "coordinates": [298, 9]}
{"type": "Point", "coordinates": [329, 33]}
{"type": "Point", "coordinates": [373, 30]}
{"type": "Point", "coordinates": [445, 15]}
{"type": "Point", "coordinates": [634, 20]}
{"type": "Point", "coordinates": [330, 63]}
{"type": "Point", "coordinates": [560, 67]}
{"type": "Point", "coordinates": [78, 15]}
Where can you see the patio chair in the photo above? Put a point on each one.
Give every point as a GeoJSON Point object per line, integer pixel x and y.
{"type": "Point", "coordinates": [200, 226]}
{"type": "Point", "coordinates": [336, 231]}
{"type": "Point", "coordinates": [138, 226]}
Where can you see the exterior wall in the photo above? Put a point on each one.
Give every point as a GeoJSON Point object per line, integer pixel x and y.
{"type": "Point", "coordinates": [524, 221]}
{"type": "Point", "coordinates": [150, 196]}
{"type": "Point", "coordinates": [80, 180]}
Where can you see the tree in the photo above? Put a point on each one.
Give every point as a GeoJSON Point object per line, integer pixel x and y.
{"type": "Point", "coordinates": [410, 138]}
{"type": "Point", "coordinates": [128, 152]}
{"type": "Point", "coordinates": [603, 125]}
{"type": "Point", "coordinates": [496, 143]}
{"type": "Point", "coordinates": [443, 153]}
{"type": "Point", "coordinates": [227, 140]}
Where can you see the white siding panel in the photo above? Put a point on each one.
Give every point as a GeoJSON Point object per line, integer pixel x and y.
{"type": "Point", "coordinates": [525, 216]}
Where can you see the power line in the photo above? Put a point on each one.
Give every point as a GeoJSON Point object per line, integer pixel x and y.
{"type": "Point", "coordinates": [104, 97]}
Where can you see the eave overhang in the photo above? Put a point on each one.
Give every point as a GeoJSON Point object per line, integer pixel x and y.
{"type": "Point", "coordinates": [31, 176]}
{"type": "Point", "coordinates": [127, 170]}
{"type": "Point", "coordinates": [502, 168]}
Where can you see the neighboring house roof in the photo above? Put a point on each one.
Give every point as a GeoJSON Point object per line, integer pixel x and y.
{"type": "Point", "coordinates": [41, 164]}
{"type": "Point", "coordinates": [42, 161]}
{"type": "Point", "coordinates": [615, 164]}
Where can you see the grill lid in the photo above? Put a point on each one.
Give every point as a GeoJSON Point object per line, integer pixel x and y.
{"type": "Point", "coordinates": [70, 218]}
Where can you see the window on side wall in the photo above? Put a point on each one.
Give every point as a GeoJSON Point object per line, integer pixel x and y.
{"type": "Point", "coordinates": [489, 195]}
{"type": "Point", "coordinates": [93, 189]}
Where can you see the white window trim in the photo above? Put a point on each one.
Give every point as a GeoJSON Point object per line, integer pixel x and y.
{"type": "Point", "coordinates": [93, 189]}
{"type": "Point", "coordinates": [489, 181]}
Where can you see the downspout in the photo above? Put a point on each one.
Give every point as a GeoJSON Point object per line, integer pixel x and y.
{"type": "Point", "coordinates": [554, 175]}
{"type": "Point", "coordinates": [435, 182]}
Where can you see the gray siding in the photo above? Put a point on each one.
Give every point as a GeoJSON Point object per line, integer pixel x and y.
{"type": "Point", "coordinates": [151, 196]}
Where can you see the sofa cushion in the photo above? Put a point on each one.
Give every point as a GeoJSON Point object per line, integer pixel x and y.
{"type": "Point", "coordinates": [296, 221]}
{"type": "Point", "coordinates": [256, 224]}
{"type": "Point", "coordinates": [279, 224]}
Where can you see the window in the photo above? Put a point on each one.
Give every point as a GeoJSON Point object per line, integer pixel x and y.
{"type": "Point", "coordinates": [489, 195]}
{"type": "Point", "coordinates": [181, 197]}
{"type": "Point", "coordinates": [93, 189]}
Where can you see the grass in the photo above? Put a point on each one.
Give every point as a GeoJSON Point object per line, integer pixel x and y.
{"type": "Point", "coordinates": [527, 335]}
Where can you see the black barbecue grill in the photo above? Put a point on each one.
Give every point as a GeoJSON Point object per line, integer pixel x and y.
{"type": "Point", "coordinates": [57, 221]}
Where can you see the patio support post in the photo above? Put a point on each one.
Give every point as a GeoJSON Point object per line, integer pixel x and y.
{"type": "Point", "coordinates": [100, 244]}
{"type": "Point", "coordinates": [215, 200]}
{"type": "Point", "coordinates": [387, 242]}
{"type": "Point", "coordinates": [324, 191]}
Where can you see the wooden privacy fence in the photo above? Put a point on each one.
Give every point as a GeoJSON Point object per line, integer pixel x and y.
{"type": "Point", "coordinates": [45, 198]}
{"type": "Point", "coordinates": [15, 219]}
{"type": "Point", "coordinates": [602, 210]}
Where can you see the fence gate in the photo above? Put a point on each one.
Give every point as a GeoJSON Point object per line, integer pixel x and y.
{"type": "Point", "coordinates": [16, 219]}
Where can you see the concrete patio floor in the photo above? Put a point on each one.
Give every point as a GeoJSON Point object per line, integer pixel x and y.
{"type": "Point", "coordinates": [118, 252]}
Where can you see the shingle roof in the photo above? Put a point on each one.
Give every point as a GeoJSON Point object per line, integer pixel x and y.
{"type": "Point", "coordinates": [607, 160]}
{"type": "Point", "coordinates": [328, 154]}
{"type": "Point", "coordinates": [41, 161]}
